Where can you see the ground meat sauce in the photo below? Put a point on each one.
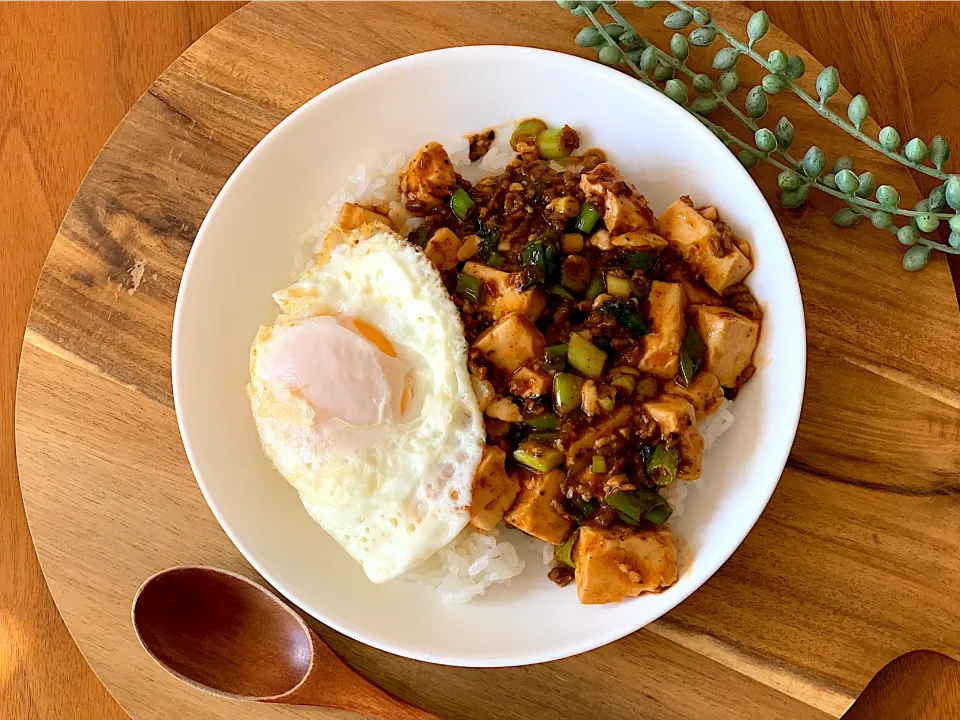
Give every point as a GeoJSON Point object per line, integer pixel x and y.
{"type": "Point", "coordinates": [524, 221]}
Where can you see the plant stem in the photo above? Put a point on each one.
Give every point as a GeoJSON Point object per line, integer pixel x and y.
{"type": "Point", "coordinates": [821, 108]}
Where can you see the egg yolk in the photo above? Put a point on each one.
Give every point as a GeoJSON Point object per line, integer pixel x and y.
{"type": "Point", "coordinates": [344, 368]}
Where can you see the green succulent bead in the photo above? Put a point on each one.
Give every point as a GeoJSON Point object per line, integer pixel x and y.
{"type": "Point", "coordinates": [703, 36]}
{"type": "Point", "coordinates": [928, 222]}
{"type": "Point", "coordinates": [866, 185]}
{"type": "Point", "coordinates": [702, 83]}
{"type": "Point", "coordinates": [645, 4]}
{"type": "Point", "coordinates": [729, 82]}
{"type": "Point", "coordinates": [921, 207]}
{"type": "Point", "coordinates": [938, 199]}
{"type": "Point", "coordinates": [568, 4]}
{"type": "Point", "coordinates": [662, 73]}
{"type": "Point", "coordinates": [757, 27]}
{"type": "Point", "coordinates": [915, 150]}
{"type": "Point", "coordinates": [847, 181]}
{"type": "Point", "coordinates": [939, 152]}
{"type": "Point", "coordinates": [794, 198]}
{"type": "Point", "coordinates": [588, 37]}
{"type": "Point", "coordinates": [846, 218]}
{"type": "Point", "coordinates": [908, 235]}
{"type": "Point", "coordinates": [579, 11]}
{"type": "Point", "coordinates": [889, 139]}
{"type": "Point", "coordinates": [704, 105]}
{"type": "Point", "coordinates": [748, 158]}
{"type": "Point", "coordinates": [858, 110]}
{"type": "Point", "coordinates": [841, 163]}
{"type": "Point", "coordinates": [888, 196]}
{"type": "Point", "coordinates": [678, 19]}
{"type": "Point", "coordinates": [725, 59]}
{"type": "Point", "coordinates": [788, 180]}
{"type": "Point", "coordinates": [631, 41]}
{"type": "Point", "coordinates": [830, 180]}
{"type": "Point", "coordinates": [648, 59]}
{"type": "Point", "coordinates": [777, 60]}
{"type": "Point", "coordinates": [614, 30]}
{"type": "Point", "coordinates": [773, 84]}
{"type": "Point", "coordinates": [591, 5]}
{"type": "Point", "coordinates": [954, 240]}
{"type": "Point", "coordinates": [881, 220]}
{"type": "Point", "coordinates": [955, 224]}
{"type": "Point", "coordinates": [676, 91]}
{"type": "Point", "coordinates": [679, 47]}
{"type": "Point", "coordinates": [784, 133]}
{"type": "Point", "coordinates": [952, 192]}
{"type": "Point", "coordinates": [795, 68]}
{"type": "Point", "coordinates": [765, 140]}
{"type": "Point", "coordinates": [701, 16]}
{"type": "Point", "coordinates": [916, 258]}
{"type": "Point", "coordinates": [756, 102]}
{"type": "Point", "coordinates": [828, 82]}
{"type": "Point", "coordinates": [610, 55]}
{"type": "Point", "coordinates": [813, 162]}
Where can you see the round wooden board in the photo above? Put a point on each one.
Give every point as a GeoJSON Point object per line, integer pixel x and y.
{"type": "Point", "coordinates": [854, 562]}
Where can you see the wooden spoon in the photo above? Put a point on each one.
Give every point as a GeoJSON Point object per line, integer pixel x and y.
{"type": "Point", "coordinates": [227, 635]}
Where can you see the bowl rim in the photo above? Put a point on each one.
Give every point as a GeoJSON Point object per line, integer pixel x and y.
{"type": "Point", "coordinates": [788, 416]}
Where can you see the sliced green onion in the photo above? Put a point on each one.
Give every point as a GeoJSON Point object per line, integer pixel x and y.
{"type": "Point", "coordinates": [598, 464]}
{"type": "Point", "coordinates": [594, 289]}
{"type": "Point", "coordinates": [538, 457]}
{"type": "Point", "coordinates": [626, 317]}
{"type": "Point", "coordinates": [496, 260]}
{"type": "Point", "coordinates": [461, 203]}
{"type": "Point", "coordinates": [530, 126]}
{"type": "Point", "coordinates": [469, 287]}
{"type": "Point", "coordinates": [659, 515]}
{"type": "Point", "coordinates": [589, 215]}
{"type": "Point", "coordinates": [544, 438]}
{"type": "Point", "coordinates": [555, 357]}
{"type": "Point", "coordinates": [566, 392]}
{"type": "Point", "coordinates": [618, 286]}
{"type": "Point", "coordinates": [628, 383]}
{"type": "Point", "coordinates": [662, 465]}
{"type": "Point", "coordinates": [536, 254]}
{"type": "Point", "coordinates": [564, 551]}
{"type": "Point", "coordinates": [420, 236]}
{"type": "Point", "coordinates": [642, 260]}
{"type": "Point", "coordinates": [691, 355]}
{"type": "Point", "coordinates": [584, 356]}
{"type": "Point", "coordinates": [639, 505]}
{"type": "Point", "coordinates": [547, 421]}
{"type": "Point", "coordinates": [560, 291]}
{"type": "Point", "coordinates": [579, 508]}
{"type": "Point", "coordinates": [551, 144]}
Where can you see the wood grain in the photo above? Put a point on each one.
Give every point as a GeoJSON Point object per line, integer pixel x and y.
{"type": "Point", "coordinates": [885, 360]}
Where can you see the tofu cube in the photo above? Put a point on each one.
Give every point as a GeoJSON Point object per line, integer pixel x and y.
{"type": "Point", "coordinates": [533, 511]}
{"type": "Point", "coordinates": [730, 339]}
{"type": "Point", "coordinates": [621, 562]}
{"type": "Point", "coordinates": [583, 445]}
{"type": "Point", "coordinates": [672, 413]}
{"type": "Point", "coordinates": [624, 208]}
{"type": "Point", "coordinates": [493, 490]}
{"type": "Point", "coordinates": [720, 264]}
{"type": "Point", "coordinates": [442, 249]}
{"type": "Point", "coordinates": [661, 345]}
{"type": "Point", "coordinates": [511, 342]}
{"type": "Point", "coordinates": [500, 298]}
{"type": "Point", "coordinates": [703, 392]}
{"type": "Point", "coordinates": [529, 383]}
{"type": "Point", "coordinates": [639, 241]}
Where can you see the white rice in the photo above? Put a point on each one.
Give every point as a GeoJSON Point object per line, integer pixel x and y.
{"type": "Point", "coordinates": [474, 561]}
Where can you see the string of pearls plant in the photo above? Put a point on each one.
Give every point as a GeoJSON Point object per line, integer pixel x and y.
{"type": "Point", "coordinates": [617, 42]}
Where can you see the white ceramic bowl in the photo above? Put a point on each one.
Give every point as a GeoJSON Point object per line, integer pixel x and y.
{"type": "Point", "coordinates": [244, 252]}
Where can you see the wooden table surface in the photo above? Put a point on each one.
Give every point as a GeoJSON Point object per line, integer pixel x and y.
{"type": "Point", "coordinates": [69, 72]}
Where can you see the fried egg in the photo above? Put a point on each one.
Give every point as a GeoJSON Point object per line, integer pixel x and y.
{"type": "Point", "coordinates": [362, 398]}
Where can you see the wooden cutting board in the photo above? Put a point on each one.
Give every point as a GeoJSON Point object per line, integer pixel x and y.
{"type": "Point", "coordinates": [854, 561]}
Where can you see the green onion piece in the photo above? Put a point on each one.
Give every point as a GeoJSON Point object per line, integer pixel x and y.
{"type": "Point", "coordinates": [419, 236]}
{"type": "Point", "coordinates": [594, 289]}
{"type": "Point", "coordinates": [584, 356]}
{"type": "Point", "coordinates": [496, 260]}
{"type": "Point", "coordinates": [564, 551]}
{"type": "Point", "coordinates": [566, 392]}
{"type": "Point", "coordinates": [579, 508]}
{"type": "Point", "coordinates": [555, 357]}
{"type": "Point", "coordinates": [490, 237]}
{"type": "Point", "coordinates": [659, 515]}
{"type": "Point", "coordinates": [618, 286]}
{"type": "Point", "coordinates": [461, 203]}
{"type": "Point", "coordinates": [547, 421]}
{"type": "Point", "coordinates": [643, 260]}
{"type": "Point", "coordinates": [662, 465]}
{"type": "Point", "coordinates": [544, 438]}
{"type": "Point", "coordinates": [589, 215]}
{"type": "Point", "coordinates": [636, 505]}
{"type": "Point", "coordinates": [538, 457]}
{"type": "Point", "coordinates": [551, 144]}
{"type": "Point", "coordinates": [469, 287]}
{"type": "Point", "coordinates": [536, 254]}
{"type": "Point", "coordinates": [628, 383]}
{"type": "Point", "coordinates": [531, 126]}
{"type": "Point", "coordinates": [598, 464]}
{"type": "Point", "coordinates": [560, 292]}
{"type": "Point", "coordinates": [691, 355]}
{"type": "Point", "coordinates": [626, 317]}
